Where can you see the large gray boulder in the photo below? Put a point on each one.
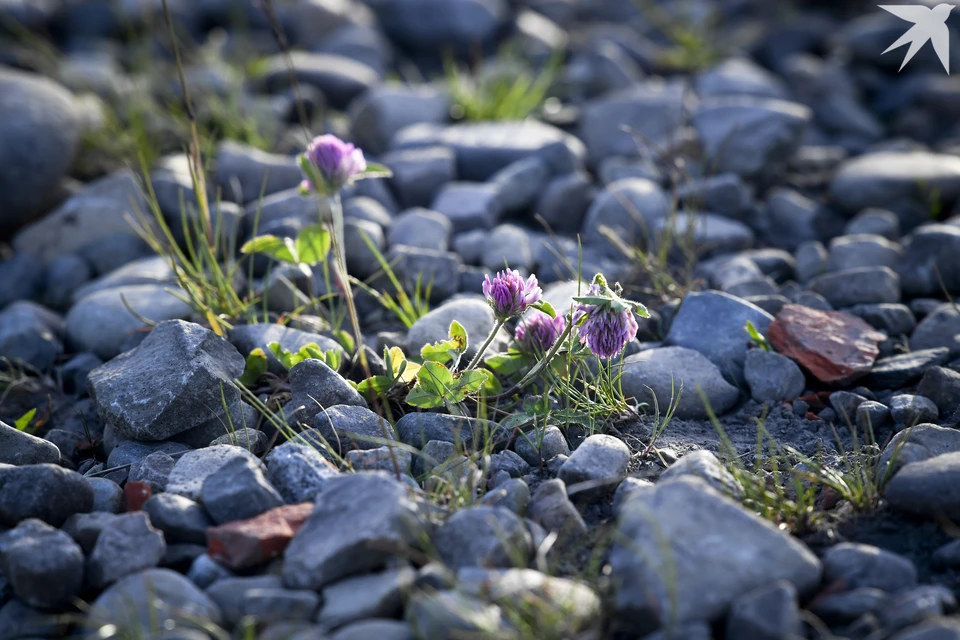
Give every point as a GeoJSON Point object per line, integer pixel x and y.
{"type": "Point", "coordinates": [39, 137]}
{"type": "Point", "coordinates": [180, 377]}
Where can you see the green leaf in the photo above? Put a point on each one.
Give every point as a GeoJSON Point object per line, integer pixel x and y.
{"type": "Point", "coordinates": [23, 421]}
{"type": "Point", "coordinates": [345, 339]}
{"type": "Point", "coordinates": [756, 336]}
{"type": "Point", "coordinates": [459, 335]}
{"type": "Point", "coordinates": [545, 307]}
{"type": "Point", "coordinates": [377, 384]}
{"type": "Point", "coordinates": [516, 420]}
{"type": "Point", "coordinates": [256, 366]}
{"type": "Point", "coordinates": [507, 364]}
{"type": "Point", "coordinates": [287, 359]}
{"type": "Point", "coordinates": [375, 170]}
{"type": "Point", "coordinates": [282, 249]}
{"type": "Point", "coordinates": [472, 381]}
{"type": "Point", "coordinates": [434, 383]}
{"type": "Point", "coordinates": [313, 244]}
{"type": "Point", "coordinates": [640, 310]}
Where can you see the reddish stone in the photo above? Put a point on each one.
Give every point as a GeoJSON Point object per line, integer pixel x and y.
{"type": "Point", "coordinates": [248, 543]}
{"type": "Point", "coordinates": [135, 494]}
{"type": "Point", "coordinates": [834, 346]}
{"type": "Point", "coordinates": [817, 401]}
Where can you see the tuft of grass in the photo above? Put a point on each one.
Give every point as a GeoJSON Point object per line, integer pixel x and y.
{"type": "Point", "coordinates": [407, 310]}
{"type": "Point", "coordinates": [691, 42]}
{"type": "Point", "coordinates": [507, 89]}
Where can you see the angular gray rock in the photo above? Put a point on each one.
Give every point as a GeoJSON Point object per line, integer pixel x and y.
{"type": "Point", "coordinates": [315, 386]}
{"type": "Point", "coordinates": [863, 285]}
{"type": "Point", "coordinates": [298, 471]}
{"type": "Point", "coordinates": [552, 509]}
{"type": "Point", "coordinates": [866, 566]}
{"type": "Point", "coordinates": [359, 522]}
{"type": "Point", "coordinates": [675, 373]}
{"type": "Point", "coordinates": [20, 448]}
{"type": "Point", "coordinates": [767, 613]}
{"type": "Point", "coordinates": [238, 490]}
{"type": "Point", "coordinates": [44, 491]}
{"type": "Point", "coordinates": [713, 324]}
{"type": "Point", "coordinates": [346, 427]}
{"type": "Point", "coordinates": [927, 488]}
{"type": "Point", "coordinates": [129, 544]}
{"type": "Point", "coordinates": [44, 566]}
{"type": "Point", "coordinates": [772, 377]}
{"type": "Point", "coordinates": [152, 597]}
{"type": "Point", "coordinates": [181, 520]}
{"type": "Point", "coordinates": [483, 537]}
{"type": "Point", "coordinates": [194, 467]}
{"type": "Point", "coordinates": [375, 595]}
{"type": "Point", "coordinates": [30, 335]}
{"type": "Point", "coordinates": [176, 380]}
{"type": "Point", "coordinates": [599, 462]}
{"type": "Point", "coordinates": [704, 464]}
{"type": "Point", "coordinates": [662, 531]}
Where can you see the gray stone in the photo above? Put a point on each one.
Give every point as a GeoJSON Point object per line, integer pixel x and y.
{"type": "Point", "coordinates": [894, 319]}
{"type": "Point", "coordinates": [768, 613]}
{"type": "Point", "coordinates": [181, 520]}
{"type": "Point", "coordinates": [132, 452]}
{"type": "Point", "coordinates": [793, 218]}
{"type": "Point", "coordinates": [600, 462]}
{"type": "Point", "coordinates": [64, 275]}
{"type": "Point", "coordinates": [861, 565]}
{"type": "Point", "coordinates": [909, 410]}
{"type": "Point", "coordinates": [846, 607]}
{"type": "Point", "coordinates": [542, 445]}
{"type": "Point", "coordinates": [417, 429]}
{"type": "Point", "coordinates": [107, 495]}
{"type": "Point", "coordinates": [629, 208]}
{"type": "Point", "coordinates": [920, 443]}
{"type": "Point", "coordinates": [359, 522]}
{"type": "Point", "coordinates": [551, 508]}
{"type": "Point", "coordinates": [705, 465]}
{"type": "Point", "coordinates": [512, 494]}
{"type": "Point", "coordinates": [662, 525]}
{"type": "Point", "coordinates": [373, 628]}
{"type": "Point", "coordinates": [20, 448]}
{"type": "Point", "coordinates": [24, 276]}
{"type": "Point", "coordinates": [315, 386]}
{"type": "Point", "coordinates": [942, 385]}
{"type": "Point", "coordinates": [451, 25]}
{"type": "Point", "coordinates": [194, 467]}
{"type": "Point", "coordinates": [934, 629]}
{"type": "Point", "coordinates": [361, 259]}
{"type": "Point", "coordinates": [298, 471]}
{"type": "Point", "coordinates": [475, 315]}
{"type": "Point", "coordinates": [248, 337]}
{"type": "Point", "coordinates": [892, 179]}
{"type": "Point", "coordinates": [750, 136]}
{"type": "Point", "coordinates": [127, 546]}
{"type": "Point", "coordinates": [238, 490]}
{"type": "Point", "coordinates": [927, 488]}
{"type": "Point", "coordinates": [18, 620]}
{"type": "Point", "coordinates": [418, 174]}
{"type": "Point", "coordinates": [713, 324]}
{"type": "Point", "coordinates": [483, 148]}
{"type": "Point", "coordinates": [871, 416]}
{"type": "Point", "coordinates": [39, 141]}
{"type": "Point", "coordinates": [940, 328]}
{"type": "Point", "coordinates": [85, 528]}
{"type": "Point", "coordinates": [177, 379]}
{"type": "Point", "coordinates": [858, 286]}
{"type": "Point", "coordinates": [483, 537]}
{"type": "Point", "coordinates": [150, 270]}
{"type": "Point", "coordinates": [654, 109]}
{"type": "Point", "coordinates": [874, 221]}
{"type": "Point", "coordinates": [390, 459]}
{"type": "Point", "coordinates": [811, 260]}
{"type": "Point", "coordinates": [564, 201]}
{"type": "Point", "coordinates": [230, 594]}
{"type": "Point", "coordinates": [154, 470]}
{"type": "Point", "coordinates": [340, 79]}
{"type": "Point", "coordinates": [520, 183]}
{"type": "Point", "coordinates": [852, 252]}
{"type": "Point", "coordinates": [205, 571]}
{"type": "Point", "coordinates": [277, 605]}
{"type": "Point", "coordinates": [421, 228]}
{"type": "Point", "coordinates": [513, 464]}
{"type": "Point", "coordinates": [772, 377]}
{"type": "Point", "coordinates": [44, 491]}
{"type": "Point", "coordinates": [44, 565]}
{"type": "Point", "coordinates": [250, 439]}
{"type": "Point", "coordinates": [436, 615]}
{"type": "Point", "coordinates": [386, 109]}
{"type": "Point", "coordinates": [152, 597]}
{"type": "Point", "coordinates": [666, 371]}
{"type": "Point", "coordinates": [346, 427]}
{"type": "Point", "coordinates": [376, 595]}
{"type": "Point", "coordinates": [438, 270]}
{"type": "Point", "coordinates": [469, 205]}
{"type": "Point", "coordinates": [508, 246]}
{"type": "Point", "coordinates": [928, 264]}
{"type": "Point", "coordinates": [30, 336]}
{"type": "Point", "coordinates": [709, 234]}
{"type": "Point", "coordinates": [94, 220]}
{"type": "Point", "coordinates": [924, 602]}
{"type": "Point", "coordinates": [244, 171]}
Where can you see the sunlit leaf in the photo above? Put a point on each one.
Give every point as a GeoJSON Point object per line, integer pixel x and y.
{"type": "Point", "coordinates": [546, 308]}
{"type": "Point", "coordinates": [283, 249]}
{"type": "Point", "coordinates": [313, 244]}
{"type": "Point", "coordinates": [24, 421]}
{"type": "Point", "coordinates": [256, 366]}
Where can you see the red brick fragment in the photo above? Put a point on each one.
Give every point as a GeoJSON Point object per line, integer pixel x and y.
{"type": "Point", "coordinates": [834, 346]}
{"type": "Point", "coordinates": [135, 494]}
{"type": "Point", "coordinates": [248, 543]}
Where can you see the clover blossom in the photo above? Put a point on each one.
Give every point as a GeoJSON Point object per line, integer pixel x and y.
{"type": "Point", "coordinates": [329, 163]}
{"type": "Point", "coordinates": [509, 295]}
{"type": "Point", "coordinates": [604, 320]}
{"type": "Point", "coordinates": [538, 332]}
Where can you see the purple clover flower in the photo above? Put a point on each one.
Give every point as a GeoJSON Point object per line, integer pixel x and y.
{"type": "Point", "coordinates": [605, 330]}
{"type": "Point", "coordinates": [538, 332]}
{"type": "Point", "coordinates": [337, 163]}
{"type": "Point", "coordinates": [509, 295]}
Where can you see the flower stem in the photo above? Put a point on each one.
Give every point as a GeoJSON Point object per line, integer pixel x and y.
{"type": "Point", "coordinates": [540, 366]}
{"type": "Point", "coordinates": [340, 268]}
{"type": "Point", "coordinates": [476, 359]}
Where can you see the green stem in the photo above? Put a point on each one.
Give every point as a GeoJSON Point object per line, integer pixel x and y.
{"type": "Point", "coordinates": [476, 359]}
{"type": "Point", "coordinates": [340, 268]}
{"type": "Point", "coordinates": [540, 366]}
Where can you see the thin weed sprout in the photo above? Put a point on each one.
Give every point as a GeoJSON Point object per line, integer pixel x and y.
{"type": "Point", "coordinates": [507, 90]}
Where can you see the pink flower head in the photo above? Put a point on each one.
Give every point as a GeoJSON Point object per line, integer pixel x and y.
{"type": "Point", "coordinates": [509, 295]}
{"type": "Point", "coordinates": [605, 330]}
{"type": "Point", "coordinates": [336, 162]}
{"type": "Point", "coordinates": [538, 332]}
